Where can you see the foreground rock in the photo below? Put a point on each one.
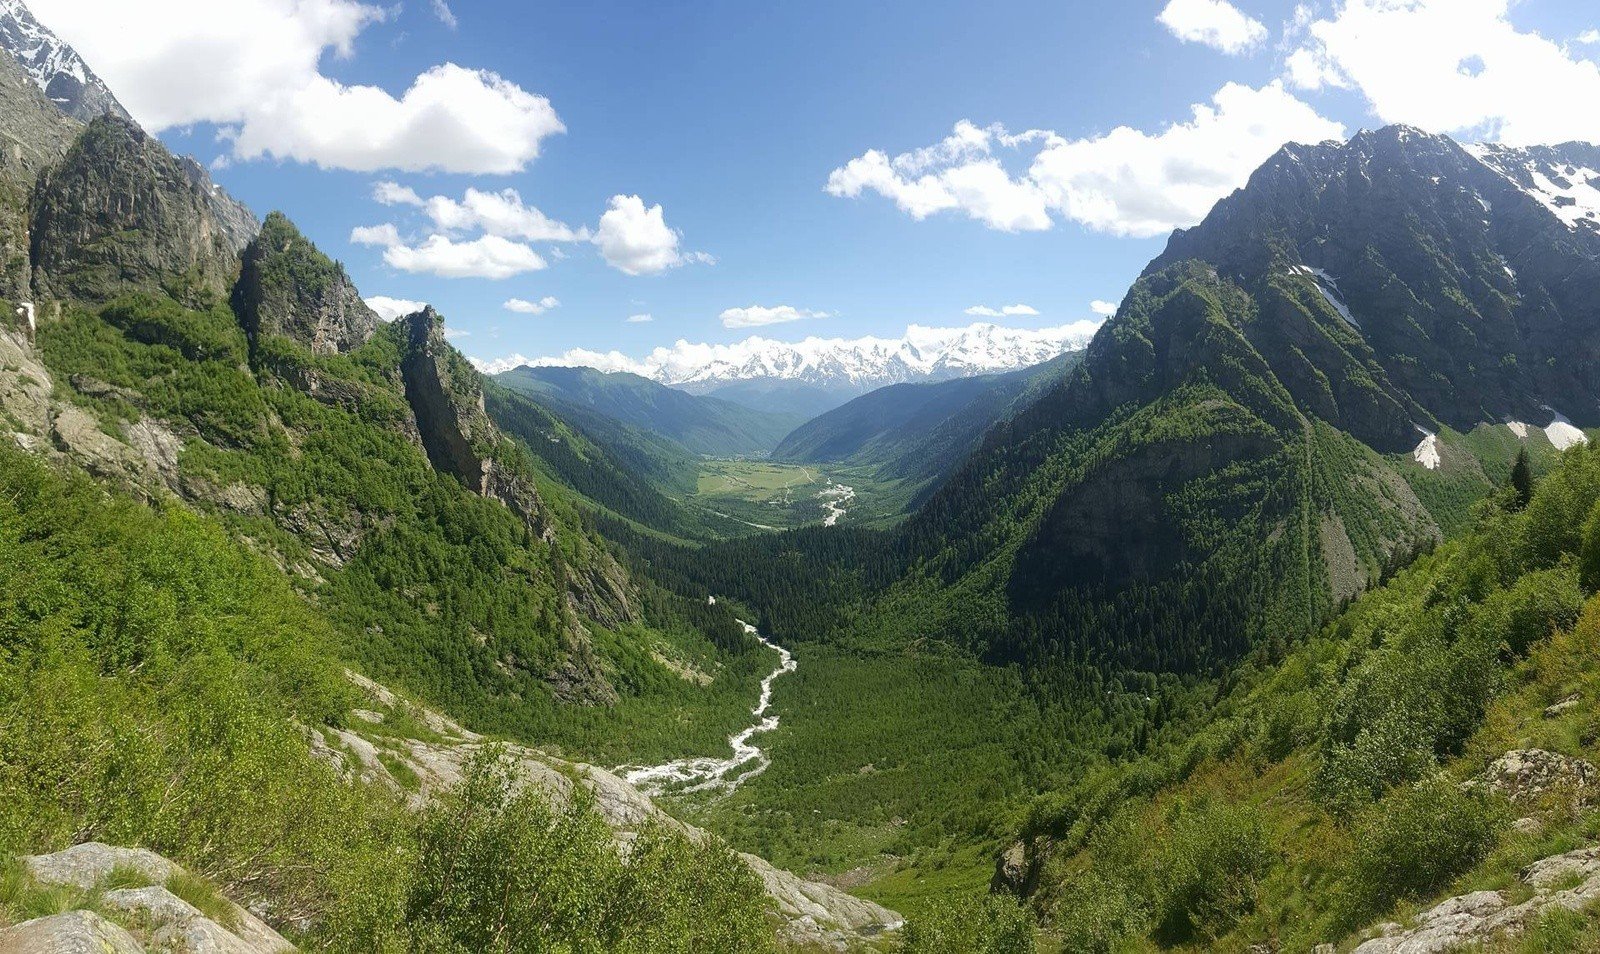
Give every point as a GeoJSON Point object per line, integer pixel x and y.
{"type": "Point", "coordinates": [813, 913]}
{"type": "Point", "coordinates": [157, 917]}
{"type": "Point", "coordinates": [1484, 916]}
{"type": "Point", "coordinates": [76, 932]}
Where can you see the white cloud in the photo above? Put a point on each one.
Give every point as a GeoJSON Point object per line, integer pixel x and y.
{"type": "Point", "coordinates": [390, 309]}
{"type": "Point", "coordinates": [640, 319]}
{"type": "Point", "coordinates": [256, 72]}
{"type": "Point", "coordinates": [1216, 23]}
{"type": "Point", "coordinates": [1589, 37]}
{"type": "Point", "coordinates": [524, 307]}
{"type": "Point", "coordinates": [1105, 309]}
{"type": "Point", "coordinates": [959, 172]}
{"type": "Point", "coordinates": [499, 213]}
{"type": "Point", "coordinates": [1452, 66]}
{"type": "Point", "coordinates": [1126, 182]}
{"type": "Point", "coordinates": [487, 256]}
{"type": "Point", "coordinates": [756, 316]}
{"type": "Point", "coordinates": [442, 10]}
{"type": "Point", "coordinates": [453, 333]}
{"type": "Point", "coordinates": [393, 193]}
{"type": "Point", "coordinates": [383, 235]}
{"type": "Point", "coordinates": [1009, 311]}
{"type": "Point", "coordinates": [636, 240]}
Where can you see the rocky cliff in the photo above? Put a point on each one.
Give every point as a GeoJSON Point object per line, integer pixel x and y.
{"type": "Point", "coordinates": [120, 213]}
{"type": "Point", "coordinates": [33, 136]}
{"type": "Point", "coordinates": [287, 287]}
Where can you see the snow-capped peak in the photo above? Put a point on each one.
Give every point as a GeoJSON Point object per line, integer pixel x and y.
{"type": "Point", "coordinates": [54, 65]}
{"type": "Point", "coordinates": [923, 353]}
{"type": "Point", "coordinates": [1564, 179]}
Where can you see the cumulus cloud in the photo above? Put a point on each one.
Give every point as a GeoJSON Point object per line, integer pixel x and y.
{"type": "Point", "coordinates": [256, 73]}
{"type": "Point", "coordinates": [1452, 66]}
{"type": "Point", "coordinates": [635, 239]}
{"type": "Point", "coordinates": [524, 307]}
{"type": "Point", "coordinates": [1589, 37]}
{"type": "Point", "coordinates": [382, 236]}
{"type": "Point", "coordinates": [488, 256]}
{"type": "Point", "coordinates": [1216, 23]}
{"type": "Point", "coordinates": [1009, 311]}
{"type": "Point", "coordinates": [500, 213]}
{"type": "Point", "coordinates": [756, 316]}
{"type": "Point", "coordinates": [1105, 309]}
{"type": "Point", "coordinates": [640, 319]}
{"type": "Point", "coordinates": [391, 308]}
{"type": "Point", "coordinates": [1127, 182]}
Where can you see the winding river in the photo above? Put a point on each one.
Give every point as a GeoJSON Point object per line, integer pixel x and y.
{"type": "Point", "coordinates": [747, 761]}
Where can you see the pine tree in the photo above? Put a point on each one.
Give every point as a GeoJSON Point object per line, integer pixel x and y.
{"type": "Point", "coordinates": [1522, 479]}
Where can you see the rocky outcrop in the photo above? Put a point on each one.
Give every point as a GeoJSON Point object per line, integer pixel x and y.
{"type": "Point", "coordinates": [813, 913]}
{"type": "Point", "coordinates": [33, 137]}
{"type": "Point", "coordinates": [1570, 881]}
{"type": "Point", "coordinates": [447, 398]}
{"type": "Point", "coordinates": [76, 932]}
{"type": "Point", "coordinates": [121, 213]}
{"type": "Point", "coordinates": [288, 287]}
{"type": "Point", "coordinates": [1529, 775]}
{"type": "Point", "coordinates": [159, 919]}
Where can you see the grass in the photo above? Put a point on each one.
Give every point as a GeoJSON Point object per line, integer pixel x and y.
{"type": "Point", "coordinates": [204, 895]}
{"type": "Point", "coordinates": [761, 495]}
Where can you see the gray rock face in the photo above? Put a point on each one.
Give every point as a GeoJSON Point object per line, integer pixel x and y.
{"type": "Point", "coordinates": [76, 932]}
{"type": "Point", "coordinates": [33, 136]}
{"type": "Point", "coordinates": [288, 287]}
{"type": "Point", "coordinates": [121, 213]}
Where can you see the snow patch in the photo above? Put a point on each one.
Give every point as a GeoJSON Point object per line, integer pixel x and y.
{"type": "Point", "coordinates": [1518, 428]}
{"type": "Point", "coordinates": [1427, 452]}
{"type": "Point", "coordinates": [1562, 432]}
{"type": "Point", "coordinates": [1329, 287]}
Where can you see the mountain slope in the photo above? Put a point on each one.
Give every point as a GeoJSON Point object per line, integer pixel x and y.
{"type": "Point", "coordinates": [916, 431]}
{"type": "Point", "coordinates": [703, 425]}
{"type": "Point", "coordinates": [55, 67]}
{"type": "Point", "coordinates": [1212, 440]}
{"type": "Point", "coordinates": [1435, 740]}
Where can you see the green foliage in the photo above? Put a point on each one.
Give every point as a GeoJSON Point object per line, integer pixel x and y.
{"type": "Point", "coordinates": [1207, 871]}
{"type": "Point", "coordinates": [155, 679]}
{"type": "Point", "coordinates": [993, 925]}
{"type": "Point", "coordinates": [1415, 841]}
{"type": "Point", "coordinates": [501, 870]}
{"type": "Point", "coordinates": [1522, 478]}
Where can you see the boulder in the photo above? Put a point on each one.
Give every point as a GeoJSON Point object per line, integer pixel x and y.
{"type": "Point", "coordinates": [76, 932]}
{"type": "Point", "coordinates": [1525, 775]}
{"type": "Point", "coordinates": [86, 865]}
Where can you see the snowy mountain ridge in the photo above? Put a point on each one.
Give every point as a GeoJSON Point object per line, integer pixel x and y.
{"type": "Point", "coordinates": [922, 354]}
{"type": "Point", "coordinates": [54, 65]}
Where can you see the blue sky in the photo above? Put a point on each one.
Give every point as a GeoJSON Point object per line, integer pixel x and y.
{"type": "Point", "coordinates": [732, 117]}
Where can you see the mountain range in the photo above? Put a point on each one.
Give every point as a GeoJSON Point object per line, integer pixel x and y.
{"type": "Point", "coordinates": [818, 374]}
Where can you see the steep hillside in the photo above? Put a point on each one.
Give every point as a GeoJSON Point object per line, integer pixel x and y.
{"type": "Point", "coordinates": [703, 425]}
{"type": "Point", "coordinates": [1436, 740]}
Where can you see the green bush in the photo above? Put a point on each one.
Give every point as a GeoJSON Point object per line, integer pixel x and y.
{"type": "Point", "coordinates": [991, 925]}
{"type": "Point", "coordinates": [1415, 841]}
{"type": "Point", "coordinates": [1208, 871]}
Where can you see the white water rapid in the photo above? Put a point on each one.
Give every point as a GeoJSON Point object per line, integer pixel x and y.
{"type": "Point", "coordinates": [747, 761]}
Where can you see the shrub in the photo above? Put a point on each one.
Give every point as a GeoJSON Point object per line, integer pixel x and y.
{"type": "Point", "coordinates": [1415, 841]}
{"type": "Point", "coordinates": [992, 925]}
{"type": "Point", "coordinates": [1208, 871]}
